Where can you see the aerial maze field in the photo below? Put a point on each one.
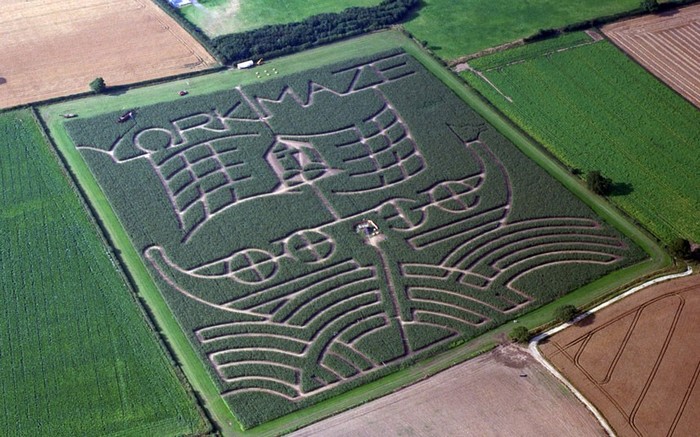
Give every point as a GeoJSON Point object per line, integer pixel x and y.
{"type": "Point", "coordinates": [318, 231]}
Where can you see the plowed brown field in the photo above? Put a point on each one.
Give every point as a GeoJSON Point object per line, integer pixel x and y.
{"type": "Point", "coordinates": [668, 45]}
{"type": "Point", "coordinates": [502, 393]}
{"type": "Point", "coordinates": [638, 361]}
{"type": "Point", "coordinates": [52, 49]}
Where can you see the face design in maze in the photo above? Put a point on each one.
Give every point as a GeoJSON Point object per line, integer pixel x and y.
{"type": "Point", "coordinates": [376, 250]}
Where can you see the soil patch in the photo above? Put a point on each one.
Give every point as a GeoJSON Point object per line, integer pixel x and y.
{"type": "Point", "coordinates": [504, 392]}
{"type": "Point", "coordinates": [638, 361]}
{"type": "Point", "coordinates": [668, 45]}
{"type": "Point", "coordinates": [52, 49]}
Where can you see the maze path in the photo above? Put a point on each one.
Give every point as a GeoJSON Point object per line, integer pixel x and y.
{"type": "Point", "coordinates": [203, 179]}
{"type": "Point", "coordinates": [508, 250]}
{"type": "Point", "coordinates": [398, 252]}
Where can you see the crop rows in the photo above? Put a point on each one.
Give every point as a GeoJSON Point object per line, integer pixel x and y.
{"type": "Point", "coordinates": [526, 52]}
{"type": "Point", "coordinates": [78, 357]}
{"type": "Point", "coordinates": [386, 220]}
{"type": "Point", "coordinates": [596, 110]}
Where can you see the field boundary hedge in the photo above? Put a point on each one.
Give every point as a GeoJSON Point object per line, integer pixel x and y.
{"type": "Point", "coordinates": [282, 39]}
{"type": "Point", "coordinates": [548, 33]}
{"type": "Point", "coordinates": [163, 339]}
{"type": "Point", "coordinates": [597, 22]}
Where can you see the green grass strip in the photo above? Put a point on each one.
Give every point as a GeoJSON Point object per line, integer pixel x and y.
{"type": "Point", "coordinates": [192, 366]}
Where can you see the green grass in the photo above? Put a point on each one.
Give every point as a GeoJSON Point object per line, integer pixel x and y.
{"type": "Point", "coordinates": [596, 110]}
{"type": "Point", "coordinates": [78, 357]}
{"type": "Point", "coordinates": [454, 28]}
{"type": "Point", "coordinates": [191, 364]}
{"type": "Point", "coordinates": [287, 65]}
{"type": "Point", "coordinates": [529, 51]}
{"type": "Point", "coordinates": [220, 17]}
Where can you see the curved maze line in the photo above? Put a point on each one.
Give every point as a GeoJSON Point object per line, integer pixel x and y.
{"type": "Point", "coordinates": [313, 326]}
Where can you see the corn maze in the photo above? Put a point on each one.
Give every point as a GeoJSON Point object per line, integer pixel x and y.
{"type": "Point", "coordinates": [317, 231]}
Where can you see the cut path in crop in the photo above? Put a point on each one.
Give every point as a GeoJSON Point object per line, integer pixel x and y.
{"type": "Point", "coordinates": [390, 248]}
{"type": "Point", "coordinates": [595, 109]}
{"type": "Point", "coordinates": [637, 360]}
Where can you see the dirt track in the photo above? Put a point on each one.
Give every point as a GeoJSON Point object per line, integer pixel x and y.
{"type": "Point", "coordinates": [485, 396]}
{"type": "Point", "coordinates": [638, 361]}
{"type": "Point", "coordinates": [51, 49]}
{"type": "Point", "coordinates": [668, 45]}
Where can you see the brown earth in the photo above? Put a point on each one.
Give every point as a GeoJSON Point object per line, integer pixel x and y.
{"type": "Point", "coordinates": [486, 396]}
{"type": "Point", "coordinates": [668, 45]}
{"type": "Point", "coordinates": [52, 49]}
{"type": "Point", "coordinates": [638, 361]}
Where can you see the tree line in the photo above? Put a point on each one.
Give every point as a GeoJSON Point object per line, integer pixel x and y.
{"type": "Point", "coordinates": [281, 39]}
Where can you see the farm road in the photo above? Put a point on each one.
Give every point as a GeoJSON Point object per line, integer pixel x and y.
{"type": "Point", "coordinates": [485, 396]}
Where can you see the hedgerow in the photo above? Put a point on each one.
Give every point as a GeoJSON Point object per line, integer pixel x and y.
{"type": "Point", "coordinates": [282, 39]}
{"type": "Point", "coordinates": [338, 224]}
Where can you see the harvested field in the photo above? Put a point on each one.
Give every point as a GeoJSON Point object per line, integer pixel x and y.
{"type": "Point", "coordinates": [668, 45]}
{"type": "Point", "coordinates": [638, 361]}
{"type": "Point", "coordinates": [53, 49]}
{"type": "Point", "coordinates": [481, 397]}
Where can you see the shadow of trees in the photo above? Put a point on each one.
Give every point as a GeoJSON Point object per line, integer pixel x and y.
{"type": "Point", "coordinates": [586, 321]}
{"type": "Point", "coordinates": [621, 189]}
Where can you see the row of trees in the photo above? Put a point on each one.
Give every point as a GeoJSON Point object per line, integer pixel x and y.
{"type": "Point", "coordinates": [282, 39]}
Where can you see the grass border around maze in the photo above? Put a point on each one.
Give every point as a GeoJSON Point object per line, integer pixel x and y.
{"type": "Point", "coordinates": [185, 355]}
{"type": "Point", "coordinates": [192, 366]}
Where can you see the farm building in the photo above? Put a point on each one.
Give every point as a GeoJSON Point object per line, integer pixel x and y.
{"type": "Point", "coordinates": [180, 3]}
{"type": "Point", "coordinates": [244, 65]}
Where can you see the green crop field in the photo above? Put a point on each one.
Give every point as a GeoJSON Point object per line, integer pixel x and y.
{"type": "Point", "coordinates": [314, 232]}
{"type": "Point", "coordinates": [77, 356]}
{"type": "Point", "coordinates": [595, 109]}
{"type": "Point", "coordinates": [219, 17]}
{"type": "Point", "coordinates": [454, 28]}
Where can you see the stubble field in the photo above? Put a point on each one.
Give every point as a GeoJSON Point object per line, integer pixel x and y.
{"type": "Point", "coordinates": [638, 361]}
{"type": "Point", "coordinates": [504, 392]}
{"type": "Point", "coordinates": [668, 45]}
{"type": "Point", "coordinates": [51, 49]}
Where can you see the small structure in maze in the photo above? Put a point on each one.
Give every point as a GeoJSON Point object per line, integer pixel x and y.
{"type": "Point", "coordinates": [367, 228]}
